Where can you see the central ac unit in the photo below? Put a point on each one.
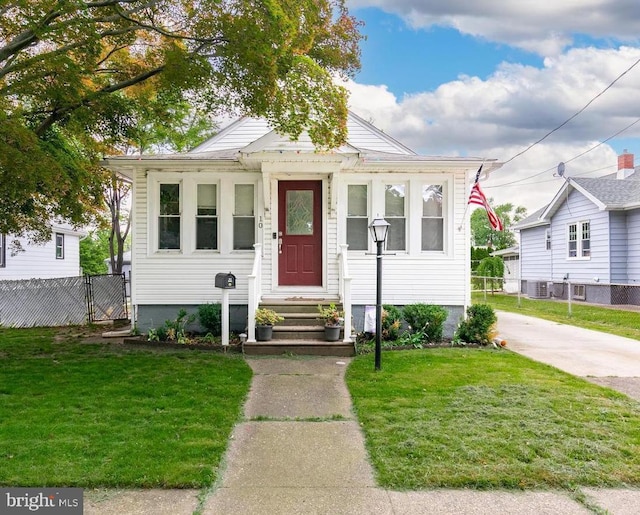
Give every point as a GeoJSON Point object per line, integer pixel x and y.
{"type": "Point", "coordinates": [541, 290]}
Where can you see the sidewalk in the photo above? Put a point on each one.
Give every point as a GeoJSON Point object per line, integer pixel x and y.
{"type": "Point", "coordinates": [301, 451]}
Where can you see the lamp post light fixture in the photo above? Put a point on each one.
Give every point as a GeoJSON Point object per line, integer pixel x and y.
{"type": "Point", "coordinates": [378, 228]}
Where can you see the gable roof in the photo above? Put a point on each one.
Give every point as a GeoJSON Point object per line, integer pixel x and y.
{"type": "Point", "coordinates": [533, 220]}
{"type": "Point", "coordinates": [608, 193]}
{"type": "Point", "coordinates": [247, 131]}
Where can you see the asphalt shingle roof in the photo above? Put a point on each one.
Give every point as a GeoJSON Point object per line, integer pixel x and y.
{"type": "Point", "coordinates": [613, 193]}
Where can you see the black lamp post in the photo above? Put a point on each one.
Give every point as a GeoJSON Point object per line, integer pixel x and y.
{"type": "Point", "coordinates": [379, 228]}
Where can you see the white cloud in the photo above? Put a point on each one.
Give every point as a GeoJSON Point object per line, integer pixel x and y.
{"type": "Point", "coordinates": [543, 27]}
{"type": "Point", "coordinates": [517, 105]}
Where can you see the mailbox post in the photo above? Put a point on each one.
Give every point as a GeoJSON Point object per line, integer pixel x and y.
{"type": "Point", "coordinates": [226, 282]}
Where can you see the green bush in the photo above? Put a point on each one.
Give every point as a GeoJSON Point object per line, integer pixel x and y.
{"type": "Point", "coordinates": [391, 320]}
{"type": "Point", "coordinates": [210, 317]}
{"type": "Point", "coordinates": [478, 326]}
{"type": "Point", "coordinates": [426, 318]}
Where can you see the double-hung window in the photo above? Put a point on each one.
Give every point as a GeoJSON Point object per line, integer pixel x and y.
{"type": "Point", "coordinates": [169, 218]}
{"type": "Point", "coordinates": [394, 213]}
{"type": "Point", "coordinates": [244, 218]}
{"type": "Point", "coordinates": [579, 240]}
{"type": "Point", "coordinates": [432, 218]}
{"type": "Point", "coordinates": [357, 217]}
{"type": "Point", "coordinates": [547, 239]}
{"type": "Point", "coordinates": [207, 217]}
{"type": "Point", "coordinates": [59, 245]}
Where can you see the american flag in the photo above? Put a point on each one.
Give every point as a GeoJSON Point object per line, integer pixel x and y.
{"type": "Point", "coordinates": [477, 197]}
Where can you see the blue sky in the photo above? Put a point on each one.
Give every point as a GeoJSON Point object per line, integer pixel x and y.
{"type": "Point", "coordinates": [490, 78]}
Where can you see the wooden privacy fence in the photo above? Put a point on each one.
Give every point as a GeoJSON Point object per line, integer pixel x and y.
{"type": "Point", "coordinates": [62, 301]}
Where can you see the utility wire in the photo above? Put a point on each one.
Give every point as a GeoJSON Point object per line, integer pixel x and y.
{"type": "Point", "coordinates": [569, 160]}
{"type": "Point", "coordinates": [574, 115]}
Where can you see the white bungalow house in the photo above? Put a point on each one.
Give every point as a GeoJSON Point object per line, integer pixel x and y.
{"type": "Point", "coordinates": [586, 242]}
{"type": "Point", "coordinates": [291, 224]}
{"type": "Point", "coordinates": [58, 257]}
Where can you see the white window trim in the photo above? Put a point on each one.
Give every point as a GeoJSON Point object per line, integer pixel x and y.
{"type": "Point", "coordinates": [3, 251]}
{"type": "Point", "coordinates": [547, 240]}
{"type": "Point", "coordinates": [369, 217]}
{"type": "Point", "coordinates": [446, 215]}
{"type": "Point", "coordinates": [61, 246]}
{"type": "Point", "coordinates": [155, 180]}
{"type": "Point", "coordinates": [255, 215]}
{"type": "Point", "coordinates": [579, 249]}
{"type": "Point", "coordinates": [192, 184]}
{"type": "Point", "coordinates": [407, 213]}
{"type": "Point", "coordinates": [189, 181]}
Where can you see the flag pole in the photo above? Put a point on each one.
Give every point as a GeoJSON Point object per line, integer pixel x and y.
{"type": "Point", "coordinates": [466, 207]}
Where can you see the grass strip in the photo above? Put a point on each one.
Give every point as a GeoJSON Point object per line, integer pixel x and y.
{"type": "Point", "coordinates": [607, 320]}
{"type": "Point", "coordinates": [74, 414]}
{"type": "Point", "coordinates": [485, 419]}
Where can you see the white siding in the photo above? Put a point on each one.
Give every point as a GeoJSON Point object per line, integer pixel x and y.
{"type": "Point", "coordinates": [187, 277]}
{"type": "Point", "coordinates": [39, 261]}
{"type": "Point", "coordinates": [578, 209]}
{"type": "Point", "coordinates": [535, 259]}
{"type": "Point", "coordinates": [241, 133]}
{"type": "Point", "coordinates": [415, 276]}
{"type": "Point", "coordinates": [633, 246]}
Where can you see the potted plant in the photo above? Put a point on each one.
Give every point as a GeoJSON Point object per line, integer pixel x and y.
{"type": "Point", "coordinates": [265, 319]}
{"type": "Point", "coordinates": [333, 318]}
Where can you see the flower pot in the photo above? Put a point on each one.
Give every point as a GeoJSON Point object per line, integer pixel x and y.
{"type": "Point", "coordinates": [332, 333]}
{"type": "Point", "coordinates": [264, 333]}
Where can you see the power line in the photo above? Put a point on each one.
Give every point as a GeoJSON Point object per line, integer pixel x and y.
{"type": "Point", "coordinates": [573, 158]}
{"type": "Point", "coordinates": [574, 115]}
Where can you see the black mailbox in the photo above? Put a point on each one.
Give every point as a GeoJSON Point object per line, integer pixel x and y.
{"type": "Point", "coordinates": [226, 281]}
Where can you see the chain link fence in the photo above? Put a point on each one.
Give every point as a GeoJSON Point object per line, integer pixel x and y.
{"type": "Point", "coordinates": [568, 291]}
{"type": "Point", "coordinates": [62, 301]}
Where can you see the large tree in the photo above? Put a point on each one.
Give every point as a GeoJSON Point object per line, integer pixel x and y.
{"type": "Point", "coordinates": [81, 78]}
{"type": "Point", "coordinates": [484, 235]}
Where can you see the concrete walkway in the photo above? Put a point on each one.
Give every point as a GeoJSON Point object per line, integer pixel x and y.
{"type": "Point", "coordinates": [300, 450]}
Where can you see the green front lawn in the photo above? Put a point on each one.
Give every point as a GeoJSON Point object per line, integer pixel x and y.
{"type": "Point", "coordinates": [88, 415]}
{"type": "Point", "coordinates": [485, 418]}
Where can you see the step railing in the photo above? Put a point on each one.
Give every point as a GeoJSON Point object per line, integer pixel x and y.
{"type": "Point", "coordinates": [255, 292]}
{"type": "Point", "coordinates": [344, 289]}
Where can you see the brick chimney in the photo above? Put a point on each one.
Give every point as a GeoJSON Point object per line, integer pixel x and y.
{"type": "Point", "coordinates": [625, 165]}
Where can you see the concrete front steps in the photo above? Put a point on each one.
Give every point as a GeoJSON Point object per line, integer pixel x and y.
{"type": "Point", "coordinates": [301, 332]}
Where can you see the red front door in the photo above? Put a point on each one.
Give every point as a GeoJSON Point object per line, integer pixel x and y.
{"type": "Point", "coordinates": [300, 233]}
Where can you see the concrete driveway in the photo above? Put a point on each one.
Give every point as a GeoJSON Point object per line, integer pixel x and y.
{"type": "Point", "coordinates": [602, 358]}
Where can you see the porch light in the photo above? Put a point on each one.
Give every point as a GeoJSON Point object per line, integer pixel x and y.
{"type": "Point", "coordinates": [379, 228]}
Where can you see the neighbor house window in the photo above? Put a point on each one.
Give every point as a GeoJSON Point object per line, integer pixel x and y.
{"type": "Point", "coordinates": [207, 217]}
{"type": "Point", "coordinates": [3, 251]}
{"type": "Point", "coordinates": [169, 218]}
{"type": "Point", "coordinates": [585, 232]}
{"type": "Point", "coordinates": [394, 213]}
{"type": "Point", "coordinates": [547, 239]}
{"type": "Point", "coordinates": [244, 219]}
{"type": "Point", "coordinates": [579, 239]}
{"type": "Point", "coordinates": [59, 245]}
{"type": "Point", "coordinates": [357, 217]}
{"type": "Point", "coordinates": [432, 217]}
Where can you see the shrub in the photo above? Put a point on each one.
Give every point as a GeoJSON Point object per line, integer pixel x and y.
{"type": "Point", "coordinates": [210, 317]}
{"type": "Point", "coordinates": [391, 319]}
{"type": "Point", "coordinates": [478, 326]}
{"type": "Point", "coordinates": [426, 318]}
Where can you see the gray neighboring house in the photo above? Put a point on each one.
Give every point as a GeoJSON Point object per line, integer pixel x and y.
{"type": "Point", "coordinates": [586, 241]}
